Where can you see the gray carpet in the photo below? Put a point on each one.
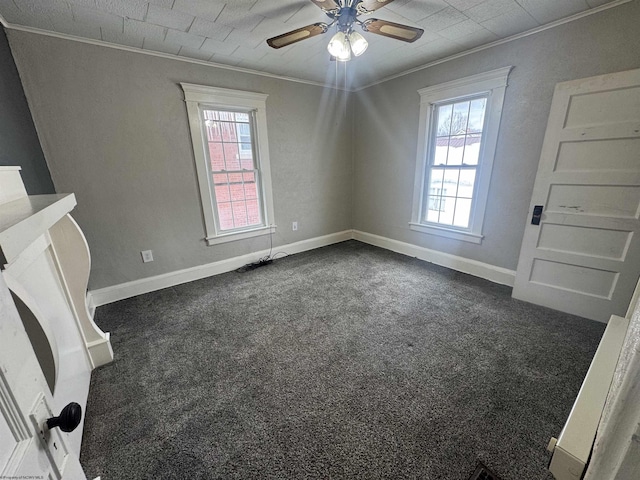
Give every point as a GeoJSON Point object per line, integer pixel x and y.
{"type": "Point", "coordinates": [344, 362]}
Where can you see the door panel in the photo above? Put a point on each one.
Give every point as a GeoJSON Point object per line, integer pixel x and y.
{"type": "Point", "coordinates": [573, 278]}
{"type": "Point", "coordinates": [594, 242]}
{"type": "Point", "coordinates": [584, 255]}
{"type": "Point", "coordinates": [27, 450]}
{"type": "Point", "coordinates": [603, 105]}
{"type": "Point", "coordinates": [605, 200]}
{"type": "Point", "coordinates": [587, 156]}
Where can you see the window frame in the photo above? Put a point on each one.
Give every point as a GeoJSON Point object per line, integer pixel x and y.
{"type": "Point", "coordinates": [198, 97]}
{"type": "Point", "coordinates": [492, 84]}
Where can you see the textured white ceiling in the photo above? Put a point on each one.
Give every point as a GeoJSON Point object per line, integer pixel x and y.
{"type": "Point", "coordinates": [235, 32]}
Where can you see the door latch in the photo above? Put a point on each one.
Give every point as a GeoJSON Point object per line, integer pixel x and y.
{"type": "Point", "coordinates": [537, 214]}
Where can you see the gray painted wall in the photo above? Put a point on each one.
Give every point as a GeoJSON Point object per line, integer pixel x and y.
{"type": "Point", "coordinates": [114, 128]}
{"type": "Point", "coordinates": [19, 144]}
{"type": "Point", "coordinates": [387, 128]}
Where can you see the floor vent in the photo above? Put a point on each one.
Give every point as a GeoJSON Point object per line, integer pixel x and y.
{"type": "Point", "coordinates": [483, 473]}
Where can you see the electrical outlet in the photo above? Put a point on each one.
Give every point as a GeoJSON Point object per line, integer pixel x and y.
{"type": "Point", "coordinates": [147, 256]}
{"type": "Point", "coordinates": [294, 226]}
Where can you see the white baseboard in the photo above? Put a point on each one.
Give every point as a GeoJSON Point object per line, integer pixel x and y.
{"type": "Point", "coordinates": [489, 272]}
{"type": "Point", "coordinates": [102, 296]}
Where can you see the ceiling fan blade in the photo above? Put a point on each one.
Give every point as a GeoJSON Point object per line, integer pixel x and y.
{"type": "Point", "coordinates": [368, 6]}
{"type": "Point", "coordinates": [297, 35]}
{"type": "Point", "coordinates": [326, 4]}
{"type": "Point", "coordinates": [392, 30]}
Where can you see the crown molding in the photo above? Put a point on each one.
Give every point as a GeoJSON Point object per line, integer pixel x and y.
{"type": "Point", "coordinates": [517, 36]}
{"type": "Point", "coordinates": [101, 43]}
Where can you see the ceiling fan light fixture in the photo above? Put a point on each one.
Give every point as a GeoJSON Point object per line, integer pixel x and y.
{"type": "Point", "coordinates": [358, 43]}
{"type": "Point", "coordinates": [345, 57]}
{"type": "Point", "coordinates": [339, 47]}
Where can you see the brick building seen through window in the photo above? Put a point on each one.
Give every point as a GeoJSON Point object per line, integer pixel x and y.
{"type": "Point", "coordinates": [233, 169]}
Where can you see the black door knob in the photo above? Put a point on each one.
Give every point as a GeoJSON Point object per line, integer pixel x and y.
{"type": "Point", "coordinates": [69, 418]}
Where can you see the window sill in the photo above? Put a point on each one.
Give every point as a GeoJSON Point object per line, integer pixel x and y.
{"type": "Point", "coordinates": [447, 232]}
{"type": "Point", "coordinates": [232, 237]}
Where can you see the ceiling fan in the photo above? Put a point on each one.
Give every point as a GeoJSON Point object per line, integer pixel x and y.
{"type": "Point", "coordinates": [344, 15]}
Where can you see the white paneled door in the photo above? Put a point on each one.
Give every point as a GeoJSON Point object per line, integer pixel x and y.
{"type": "Point", "coordinates": [581, 252]}
{"type": "Point", "coordinates": [27, 450]}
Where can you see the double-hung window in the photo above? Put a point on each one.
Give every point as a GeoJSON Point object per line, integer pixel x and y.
{"type": "Point", "coordinates": [458, 133]}
{"type": "Point", "coordinates": [229, 135]}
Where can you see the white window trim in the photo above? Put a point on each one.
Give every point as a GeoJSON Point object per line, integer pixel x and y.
{"type": "Point", "coordinates": [196, 95]}
{"type": "Point", "coordinates": [493, 83]}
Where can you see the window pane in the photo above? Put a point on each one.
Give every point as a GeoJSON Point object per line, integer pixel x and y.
{"type": "Point", "coordinates": [225, 215]}
{"type": "Point", "coordinates": [456, 150]}
{"type": "Point", "coordinates": [460, 118]}
{"type": "Point", "coordinates": [237, 192]}
{"type": "Point", "coordinates": [216, 155]}
{"type": "Point", "coordinates": [447, 210]}
{"type": "Point", "coordinates": [444, 120]}
{"type": "Point", "coordinates": [250, 186]}
{"type": "Point", "coordinates": [476, 115]}
{"type": "Point", "coordinates": [222, 193]}
{"type": "Point", "coordinates": [220, 179]}
{"type": "Point", "coordinates": [253, 212]}
{"type": "Point", "coordinates": [236, 187]}
{"type": "Point", "coordinates": [463, 212]}
{"type": "Point", "coordinates": [435, 181]}
{"type": "Point", "coordinates": [450, 183]}
{"type": "Point", "coordinates": [466, 183]}
{"type": "Point", "coordinates": [440, 153]}
{"type": "Point", "coordinates": [251, 190]}
{"type": "Point", "coordinates": [246, 163]}
{"type": "Point", "coordinates": [232, 156]}
{"type": "Point", "coordinates": [226, 116]}
{"type": "Point", "coordinates": [246, 156]}
{"type": "Point", "coordinates": [472, 149]}
{"type": "Point", "coordinates": [433, 208]}
{"type": "Point", "coordinates": [213, 130]}
{"type": "Point", "coordinates": [227, 131]}
{"type": "Point", "coordinates": [239, 214]}
{"type": "Point", "coordinates": [243, 132]}
{"type": "Point", "coordinates": [242, 117]}
{"type": "Point", "coordinates": [235, 177]}
{"type": "Point", "coordinates": [434, 199]}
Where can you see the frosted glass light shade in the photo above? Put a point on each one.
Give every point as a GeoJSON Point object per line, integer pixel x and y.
{"type": "Point", "coordinates": [358, 43]}
{"type": "Point", "coordinates": [339, 47]}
